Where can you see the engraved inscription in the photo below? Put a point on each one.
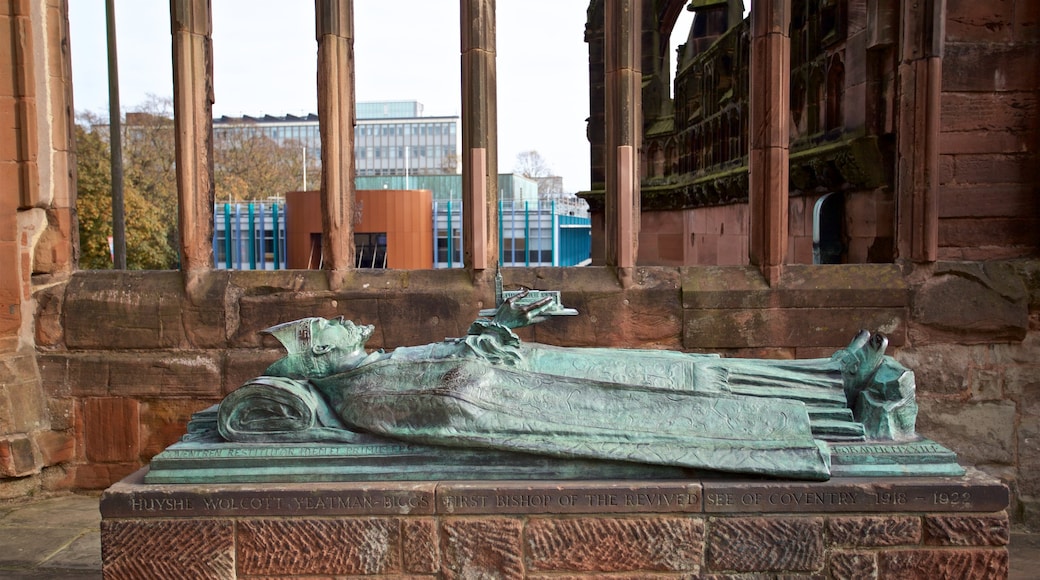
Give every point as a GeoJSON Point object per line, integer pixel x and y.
{"type": "Point", "coordinates": [160, 504]}
{"type": "Point", "coordinates": [274, 504]}
{"type": "Point", "coordinates": [241, 503]}
{"type": "Point", "coordinates": [569, 501]}
{"type": "Point", "coordinates": [301, 451]}
{"type": "Point", "coordinates": [916, 448]}
{"type": "Point", "coordinates": [780, 498]}
{"type": "Point", "coordinates": [840, 497]}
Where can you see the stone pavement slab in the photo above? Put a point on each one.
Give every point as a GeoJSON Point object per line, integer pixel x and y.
{"type": "Point", "coordinates": [55, 537]}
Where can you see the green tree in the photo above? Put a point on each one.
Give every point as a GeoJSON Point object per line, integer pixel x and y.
{"type": "Point", "coordinates": [147, 246]}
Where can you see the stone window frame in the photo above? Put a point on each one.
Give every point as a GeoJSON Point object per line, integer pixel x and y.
{"type": "Point", "coordinates": [768, 138]}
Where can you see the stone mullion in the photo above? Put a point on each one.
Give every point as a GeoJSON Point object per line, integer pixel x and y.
{"type": "Point", "coordinates": [335, 36]}
{"type": "Point", "coordinates": [624, 129]}
{"type": "Point", "coordinates": [917, 141]}
{"type": "Point", "coordinates": [769, 129]}
{"type": "Point", "coordinates": [479, 134]}
{"type": "Point", "coordinates": [193, 124]}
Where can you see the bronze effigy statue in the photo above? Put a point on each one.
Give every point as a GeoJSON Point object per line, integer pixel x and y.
{"type": "Point", "coordinates": [489, 390]}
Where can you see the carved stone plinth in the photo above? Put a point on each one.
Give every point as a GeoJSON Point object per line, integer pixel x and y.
{"type": "Point", "coordinates": [712, 527]}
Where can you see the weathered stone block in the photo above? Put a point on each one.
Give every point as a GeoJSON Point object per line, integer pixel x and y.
{"type": "Point", "coordinates": [89, 374]}
{"type": "Point", "coordinates": [420, 318]}
{"type": "Point", "coordinates": [17, 456]}
{"type": "Point", "coordinates": [969, 21]}
{"type": "Point", "coordinates": [987, 240]}
{"type": "Point", "coordinates": [1027, 21]}
{"type": "Point", "coordinates": [420, 546]}
{"type": "Point", "coordinates": [930, 564]}
{"type": "Point", "coordinates": [989, 67]}
{"type": "Point", "coordinates": [853, 565]}
{"type": "Point", "coordinates": [711, 330]}
{"type": "Point", "coordinates": [256, 313]}
{"type": "Point", "coordinates": [99, 475]}
{"type": "Point", "coordinates": [616, 544]}
{"type": "Point", "coordinates": [204, 308]}
{"type": "Point", "coordinates": [54, 375]}
{"type": "Point", "coordinates": [165, 421]}
{"type": "Point", "coordinates": [158, 373]}
{"type": "Point", "coordinates": [56, 447]}
{"type": "Point", "coordinates": [758, 544]}
{"type": "Point", "coordinates": [240, 365]}
{"type": "Point", "coordinates": [802, 286]}
{"type": "Point", "coordinates": [168, 549]}
{"type": "Point", "coordinates": [112, 429]}
{"type": "Point", "coordinates": [62, 412]}
{"type": "Point", "coordinates": [319, 546]}
{"type": "Point", "coordinates": [1000, 200]}
{"type": "Point", "coordinates": [942, 369]}
{"type": "Point", "coordinates": [976, 141]}
{"type": "Point", "coordinates": [967, 530]}
{"type": "Point", "coordinates": [117, 310]}
{"type": "Point", "coordinates": [971, 303]}
{"type": "Point", "coordinates": [484, 548]}
{"type": "Point", "coordinates": [864, 531]}
{"type": "Point", "coordinates": [22, 406]}
{"type": "Point", "coordinates": [977, 432]}
{"type": "Point", "coordinates": [986, 384]}
{"type": "Point", "coordinates": [179, 374]}
{"type": "Point", "coordinates": [1029, 455]}
{"type": "Point", "coordinates": [643, 314]}
{"type": "Point", "coordinates": [991, 168]}
{"type": "Point", "coordinates": [50, 331]}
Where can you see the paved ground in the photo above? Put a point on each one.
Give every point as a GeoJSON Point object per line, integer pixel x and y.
{"type": "Point", "coordinates": [59, 537]}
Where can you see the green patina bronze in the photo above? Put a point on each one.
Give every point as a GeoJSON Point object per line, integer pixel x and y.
{"type": "Point", "coordinates": [488, 406]}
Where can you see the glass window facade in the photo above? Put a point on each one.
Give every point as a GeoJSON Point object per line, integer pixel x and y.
{"type": "Point", "coordinates": [391, 138]}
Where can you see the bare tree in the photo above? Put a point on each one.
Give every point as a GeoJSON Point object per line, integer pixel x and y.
{"type": "Point", "coordinates": [532, 165]}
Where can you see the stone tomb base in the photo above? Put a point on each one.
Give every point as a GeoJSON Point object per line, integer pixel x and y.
{"type": "Point", "coordinates": [715, 528]}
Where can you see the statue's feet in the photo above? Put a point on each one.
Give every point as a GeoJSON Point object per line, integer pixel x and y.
{"type": "Point", "coordinates": [860, 360]}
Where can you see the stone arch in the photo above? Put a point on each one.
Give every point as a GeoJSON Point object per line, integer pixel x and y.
{"type": "Point", "coordinates": [829, 229]}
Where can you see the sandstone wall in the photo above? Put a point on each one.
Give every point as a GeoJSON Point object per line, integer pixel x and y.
{"type": "Point", "coordinates": [127, 357]}
{"type": "Point", "coordinates": [990, 131]}
{"type": "Point", "coordinates": [36, 227]}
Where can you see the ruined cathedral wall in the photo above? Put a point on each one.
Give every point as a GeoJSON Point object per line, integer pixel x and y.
{"type": "Point", "coordinates": [132, 355]}
{"type": "Point", "coordinates": [36, 232]}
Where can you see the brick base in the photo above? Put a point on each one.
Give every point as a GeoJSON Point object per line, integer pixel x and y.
{"type": "Point", "coordinates": [844, 528]}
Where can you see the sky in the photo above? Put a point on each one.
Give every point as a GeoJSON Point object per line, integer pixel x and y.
{"type": "Point", "coordinates": [404, 50]}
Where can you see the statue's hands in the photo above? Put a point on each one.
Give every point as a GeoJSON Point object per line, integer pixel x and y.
{"type": "Point", "coordinates": [515, 314]}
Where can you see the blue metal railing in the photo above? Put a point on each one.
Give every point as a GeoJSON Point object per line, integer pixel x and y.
{"type": "Point", "coordinates": [251, 235]}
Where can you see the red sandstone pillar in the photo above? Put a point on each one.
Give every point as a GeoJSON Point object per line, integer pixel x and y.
{"type": "Point", "coordinates": [769, 158]}
{"type": "Point", "coordinates": [479, 134]}
{"type": "Point", "coordinates": [922, 34]}
{"type": "Point", "coordinates": [624, 129]}
{"type": "Point", "coordinates": [335, 35]}
{"type": "Point", "coordinates": [193, 125]}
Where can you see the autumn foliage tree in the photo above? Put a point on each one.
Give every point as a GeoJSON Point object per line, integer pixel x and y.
{"type": "Point", "coordinates": [247, 166]}
{"type": "Point", "coordinates": [147, 246]}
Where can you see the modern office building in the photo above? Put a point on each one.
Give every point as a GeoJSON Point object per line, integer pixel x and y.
{"type": "Point", "coordinates": [390, 138]}
{"type": "Point", "coordinates": [403, 229]}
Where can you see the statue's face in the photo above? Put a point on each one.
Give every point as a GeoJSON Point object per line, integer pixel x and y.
{"type": "Point", "coordinates": [340, 334]}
